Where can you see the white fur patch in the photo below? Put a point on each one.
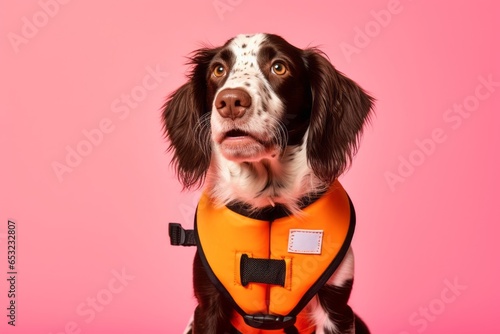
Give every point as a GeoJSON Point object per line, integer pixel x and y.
{"type": "Point", "coordinates": [320, 318]}
{"type": "Point", "coordinates": [343, 273]}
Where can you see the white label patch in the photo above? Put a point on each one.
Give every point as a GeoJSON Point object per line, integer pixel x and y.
{"type": "Point", "coordinates": [305, 241]}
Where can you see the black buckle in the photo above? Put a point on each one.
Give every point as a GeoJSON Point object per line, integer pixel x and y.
{"type": "Point", "coordinates": [179, 236]}
{"type": "Point", "coordinates": [269, 321]}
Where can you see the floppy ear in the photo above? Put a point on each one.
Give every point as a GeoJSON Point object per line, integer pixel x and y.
{"type": "Point", "coordinates": [182, 117]}
{"type": "Point", "coordinates": [340, 108]}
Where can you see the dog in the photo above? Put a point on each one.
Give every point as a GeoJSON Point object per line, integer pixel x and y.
{"type": "Point", "coordinates": [266, 127]}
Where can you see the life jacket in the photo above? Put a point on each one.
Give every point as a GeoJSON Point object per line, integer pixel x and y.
{"type": "Point", "coordinates": [269, 269]}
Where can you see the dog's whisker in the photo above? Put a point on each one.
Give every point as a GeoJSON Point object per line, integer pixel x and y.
{"type": "Point", "coordinates": [280, 134]}
{"type": "Point", "coordinates": [202, 133]}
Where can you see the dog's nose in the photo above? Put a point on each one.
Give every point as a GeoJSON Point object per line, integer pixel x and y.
{"type": "Point", "coordinates": [232, 103]}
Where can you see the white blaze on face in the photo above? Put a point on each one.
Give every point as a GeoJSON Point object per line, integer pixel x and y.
{"type": "Point", "coordinates": [261, 118]}
{"type": "Point", "coordinates": [246, 67]}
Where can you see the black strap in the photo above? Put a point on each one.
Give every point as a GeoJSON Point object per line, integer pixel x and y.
{"type": "Point", "coordinates": [288, 330]}
{"type": "Point", "coordinates": [271, 213]}
{"type": "Point", "coordinates": [271, 322]}
{"type": "Point", "coordinates": [180, 236]}
{"type": "Point", "coordinates": [267, 271]}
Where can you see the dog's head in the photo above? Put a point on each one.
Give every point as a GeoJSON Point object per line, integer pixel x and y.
{"type": "Point", "coordinates": [256, 95]}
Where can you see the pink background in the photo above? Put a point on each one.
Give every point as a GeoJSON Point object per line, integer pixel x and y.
{"type": "Point", "coordinates": [436, 226]}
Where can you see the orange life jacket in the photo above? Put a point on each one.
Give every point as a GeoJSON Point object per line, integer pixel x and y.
{"type": "Point", "coordinates": [270, 270]}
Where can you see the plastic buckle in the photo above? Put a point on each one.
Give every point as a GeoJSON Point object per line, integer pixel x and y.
{"type": "Point", "coordinates": [269, 321]}
{"type": "Point", "coordinates": [176, 233]}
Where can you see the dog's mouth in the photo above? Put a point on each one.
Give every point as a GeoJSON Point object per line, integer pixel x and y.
{"type": "Point", "coordinates": [235, 134]}
{"type": "Point", "coordinates": [239, 145]}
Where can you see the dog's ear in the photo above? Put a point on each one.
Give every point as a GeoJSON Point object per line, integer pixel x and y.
{"type": "Point", "coordinates": [339, 110]}
{"type": "Point", "coordinates": [185, 126]}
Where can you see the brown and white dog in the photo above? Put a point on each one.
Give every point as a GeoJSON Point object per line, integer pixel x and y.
{"type": "Point", "coordinates": [265, 124]}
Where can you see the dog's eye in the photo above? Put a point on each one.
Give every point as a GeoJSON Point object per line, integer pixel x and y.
{"type": "Point", "coordinates": [219, 71]}
{"type": "Point", "coordinates": [278, 68]}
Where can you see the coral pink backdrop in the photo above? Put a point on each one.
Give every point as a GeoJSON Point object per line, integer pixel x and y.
{"type": "Point", "coordinates": [85, 177]}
